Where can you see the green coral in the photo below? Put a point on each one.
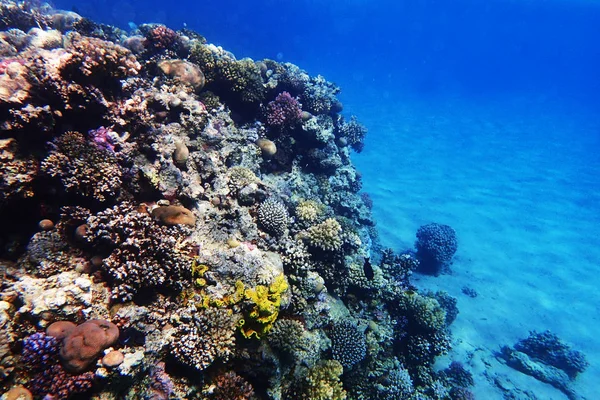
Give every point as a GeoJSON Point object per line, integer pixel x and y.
{"type": "Point", "coordinates": [426, 311]}
{"type": "Point", "coordinates": [265, 301]}
{"type": "Point", "coordinates": [326, 235]}
{"type": "Point", "coordinates": [321, 382]}
{"type": "Point", "coordinates": [240, 177]}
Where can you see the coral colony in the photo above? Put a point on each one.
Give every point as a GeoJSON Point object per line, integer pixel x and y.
{"type": "Point", "coordinates": [179, 223]}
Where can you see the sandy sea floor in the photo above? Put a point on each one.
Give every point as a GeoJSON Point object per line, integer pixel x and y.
{"type": "Point", "coordinates": [519, 184]}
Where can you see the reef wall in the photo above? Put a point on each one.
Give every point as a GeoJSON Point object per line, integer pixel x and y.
{"type": "Point", "coordinates": [178, 223]}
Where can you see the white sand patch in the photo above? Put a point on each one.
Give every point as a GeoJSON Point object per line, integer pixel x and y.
{"type": "Point", "coordinates": [520, 187]}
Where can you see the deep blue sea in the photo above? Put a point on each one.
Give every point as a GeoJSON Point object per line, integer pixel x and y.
{"type": "Point", "coordinates": [483, 115]}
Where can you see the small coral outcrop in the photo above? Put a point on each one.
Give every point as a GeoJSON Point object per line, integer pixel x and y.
{"type": "Point", "coordinates": [436, 245]}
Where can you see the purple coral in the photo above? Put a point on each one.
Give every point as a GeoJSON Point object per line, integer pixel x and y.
{"type": "Point", "coordinates": [40, 351]}
{"type": "Point", "coordinates": [284, 112]}
{"type": "Point", "coordinates": [41, 355]}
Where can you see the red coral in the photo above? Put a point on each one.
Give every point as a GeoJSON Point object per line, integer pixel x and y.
{"type": "Point", "coordinates": [161, 38]}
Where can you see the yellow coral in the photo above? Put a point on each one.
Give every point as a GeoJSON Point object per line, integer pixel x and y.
{"type": "Point", "coordinates": [198, 271]}
{"type": "Point", "coordinates": [323, 382]}
{"type": "Point", "coordinates": [266, 302]}
{"type": "Point", "coordinates": [308, 211]}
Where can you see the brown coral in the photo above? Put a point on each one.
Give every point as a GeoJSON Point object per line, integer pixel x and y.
{"type": "Point", "coordinates": [174, 215]}
{"type": "Point", "coordinates": [83, 344]}
{"type": "Point", "coordinates": [16, 174]}
{"type": "Point", "coordinates": [142, 253]}
{"type": "Point", "coordinates": [231, 386]}
{"type": "Point", "coordinates": [84, 167]}
{"type": "Point", "coordinates": [184, 72]}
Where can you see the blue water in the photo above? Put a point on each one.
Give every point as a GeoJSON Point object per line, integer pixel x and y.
{"type": "Point", "coordinates": [483, 115]}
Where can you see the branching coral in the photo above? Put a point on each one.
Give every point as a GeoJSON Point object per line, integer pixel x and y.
{"type": "Point", "coordinates": [230, 386]}
{"type": "Point", "coordinates": [436, 245]}
{"type": "Point", "coordinates": [348, 344]}
{"type": "Point", "coordinates": [308, 211]}
{"type": "Point", "coordinates": [322, 382]}
{"type": "Point", "coordinates": [353, 133]}
{"type": "Point", "coordinates": [204, 336]}
{"type": "Point", "coordinates": [294, 342]}
{"type": "Point", "coordinates": [325, 236]}
{"type": "Point", "coordinates": [285, 112]}
{"type": "Point", "coordinates": [83, 167]}
{"type": "Point", "coordinates": [140, 252]}
{"type": "Point", "coordinates": [16, 173]}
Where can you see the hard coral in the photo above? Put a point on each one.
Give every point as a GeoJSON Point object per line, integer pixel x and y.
{"type": "Point", "coordinates": [231, 386]}
{"type": "Point", "coordinates": [285, 112]}
{"type": "Point", "coordinates": [82, 344]}
{"type": "Point", "coordinates": [353, 132]}
{"type": "Point", "coordinates": [16, 172]}
{"type": "Point", "coordinates": [348, 343]}
{"type": "Point", "coordinates": [83, 167]}
{"type": "Point", "coordinates": [141, 253]}
{"type": "Point", "coordinates": [41, 355]}
{"type": "Point", "coordinates": [204, 336]}
{"type": "Point", "coordinates": [436, 245]}
{"type": "Point", "coordinates": [97, 61]}
{"type": "Point", "coordinates": [325, 236]}
{"type": "Point", "coordinates": [161, 38]}
{"type": "Point", "coordinates": [550, 349]}
{"type": "Point", "coordinates": [273, 216]}
{"type": "Point", "coordinates": [322, 382]}
{"type": "Point", "coordinates": [184, 72]}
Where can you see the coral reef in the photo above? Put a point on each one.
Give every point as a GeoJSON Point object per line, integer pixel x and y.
{"type": "Point", "coordinates": [549, 349]}
{"type": "Point", "coordinates": [184, 224]}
